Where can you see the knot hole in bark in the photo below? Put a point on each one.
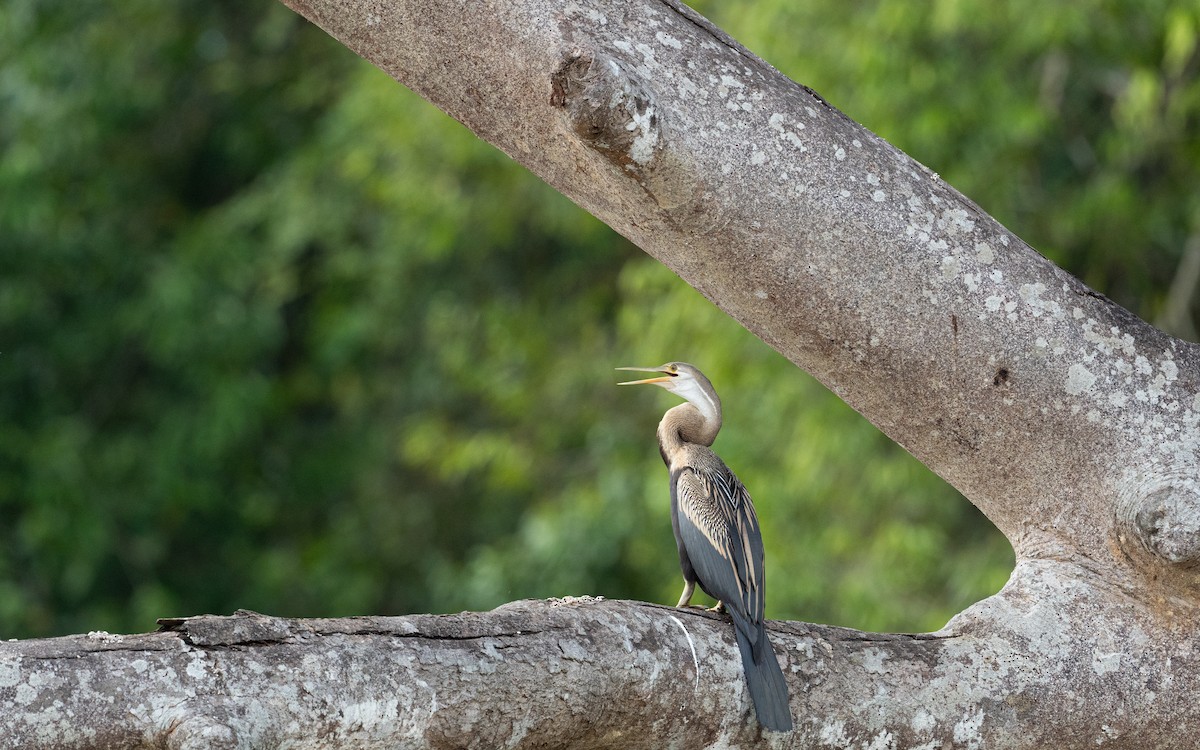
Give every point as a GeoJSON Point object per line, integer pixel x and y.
{"type": "Point", "coordinates": [609, 108]}
{"type": "Point", "coordinates": [1165, 519]}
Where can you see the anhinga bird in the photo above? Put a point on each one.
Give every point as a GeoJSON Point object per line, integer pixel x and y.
{"type": "Point", "coordinates": [720, 545]}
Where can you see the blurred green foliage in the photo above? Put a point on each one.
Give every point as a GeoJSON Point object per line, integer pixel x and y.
{"type": "Point", "coordinates": [275, 334]}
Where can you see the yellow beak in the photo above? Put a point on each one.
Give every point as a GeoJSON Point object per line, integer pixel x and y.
{"type": "Point", "coordinates": [662, 379]}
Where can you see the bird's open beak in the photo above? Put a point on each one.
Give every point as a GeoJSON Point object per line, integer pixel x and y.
{"type": "Point", "coordinates": [664, 377]}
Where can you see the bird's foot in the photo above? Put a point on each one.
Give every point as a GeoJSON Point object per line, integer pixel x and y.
{"type": "Point", "coordinates": [719, 608]}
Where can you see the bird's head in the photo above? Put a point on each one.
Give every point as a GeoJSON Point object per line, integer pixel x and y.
{"type": "Point", "coordinates": [685, 381]}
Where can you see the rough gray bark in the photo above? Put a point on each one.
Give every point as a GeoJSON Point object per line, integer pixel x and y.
{"type": "Point", "coordinates": [1071, 423]}
{"type": "Point", "coordinates": [577, 673]}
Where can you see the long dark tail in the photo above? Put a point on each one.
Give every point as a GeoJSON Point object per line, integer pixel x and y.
{"type": "Point", "coordinates": [768, 691]}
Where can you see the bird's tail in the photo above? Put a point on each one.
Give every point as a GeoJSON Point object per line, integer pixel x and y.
{"type": "Point", "coordinates": [768, 691]}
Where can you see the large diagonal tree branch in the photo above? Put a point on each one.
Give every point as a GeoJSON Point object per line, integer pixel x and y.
{"type": "Point", "coordinates": [1071, 423]}
{"type": "Point", "coordinates": [1058, 413]}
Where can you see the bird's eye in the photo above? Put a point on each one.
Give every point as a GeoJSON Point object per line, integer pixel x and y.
{"type": "Point", "coordinates": [672, 369]}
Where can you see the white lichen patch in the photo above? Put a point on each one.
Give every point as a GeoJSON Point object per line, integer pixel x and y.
{"type": "Point", "coordinates": [727, 83]}
{"type": "Point", "coordinates": [10, 673]}
{"type": "Point", "coordinates": [25, 694]}
{"type": "Point", "coordinates": [1159, 386]}
{"type": "Point", "coordinates": [840, 154]}
{"type": "Point", "coordinates": [591, 14]}
{"type": "Point", "coordinates": [833, 734]}
{"type": "Point", "coordinates": [873, 660]}
{"type": "Point", "coordinates": [984, 253]}
{"type": "Point", "coordinates": [1103, 663]}
{"type": "Point", "coordinates": [667, 40]}
{"type": "Point", "coordinates": [573, 650]}
{"type": "Point", "coordinates": [1111, 342]}
{"type": "Point", "coordinates": [687, 89]}
{"type": "Point", "coordinates": [1079, 379]}
{"type": "Point", "coordinates": [648, 58]}
{"type": "Point", "coordinates": [1031, 295]}
{"type": "Point", "coordinates": [646, 140]}
{"type": "Point", "coordinates": [966, 731]}
{"type": "Point", "coordinates": [957, 221]}
{"type": "Point", "coordinates": [919, 216]}
{"type": "Point", "coordinates": [369, 716]}
{"type": "Point", "coordinates": [922, 721]}
{"type": "Point", "coordinates": [195, 667]}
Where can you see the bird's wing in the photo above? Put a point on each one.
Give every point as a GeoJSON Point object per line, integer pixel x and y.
{"type": "Point", "coordinates": [720, 532]}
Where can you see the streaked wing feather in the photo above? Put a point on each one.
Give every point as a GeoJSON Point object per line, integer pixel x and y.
{"type": "Point", "coordinates": [747, 538]}
{"type": "Point", "coordinates": [720, 532]}
{"type": "Point", "coordinates": [749, 544]}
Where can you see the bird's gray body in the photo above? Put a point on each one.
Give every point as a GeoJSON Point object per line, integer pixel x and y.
{"type": "Point", "coordinates": [721, 550]}
{"type": "Point", "coordinates": [716, 530]}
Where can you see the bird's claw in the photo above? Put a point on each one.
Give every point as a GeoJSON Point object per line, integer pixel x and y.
{"type": "Point", "coordinates": [718, 609]}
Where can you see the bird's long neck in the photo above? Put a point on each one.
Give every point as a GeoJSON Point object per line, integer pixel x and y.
{"type": "Point", "coordinates": [685, 424]}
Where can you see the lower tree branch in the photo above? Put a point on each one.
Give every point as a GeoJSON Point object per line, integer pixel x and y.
{"type": "Point", "coordinates": [1049, 662]}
